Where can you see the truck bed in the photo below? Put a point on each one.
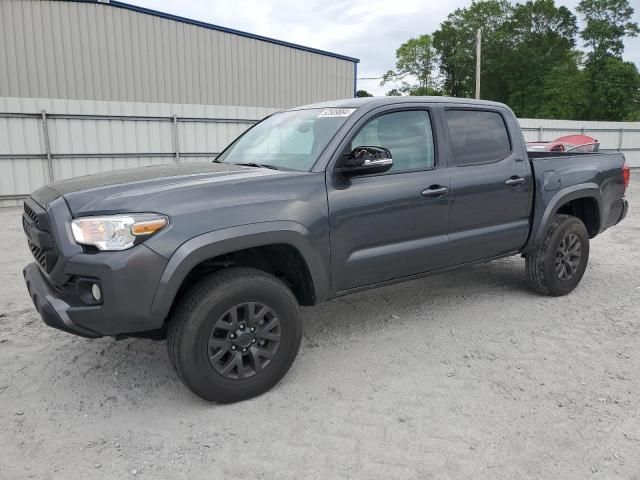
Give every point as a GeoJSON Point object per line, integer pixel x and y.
{"type": "Point", "coordinates": [558, 174]}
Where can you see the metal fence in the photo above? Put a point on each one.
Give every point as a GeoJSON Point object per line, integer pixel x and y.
{"type": "Point", "coordinates": [175, 154]}
{"type": "Point", "coordinates": [71, 138]}
{"type": "Point", "coordinates": [613, 136]}
{"type": "Point", "coordinates": [47, 140]}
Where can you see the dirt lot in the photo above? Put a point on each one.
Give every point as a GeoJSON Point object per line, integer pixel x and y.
{"type": "Point", "coordinates": [463, 375]}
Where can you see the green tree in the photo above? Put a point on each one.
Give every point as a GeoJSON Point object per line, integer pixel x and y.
{"type": "Point", "coordinates": [613, 85]}
{"type": "Point", "coordinates": [363, 93]}
{"type": "Point", "coordinates": [607, 23]}
{"type": "Point", "coordinates": [529, 59]}
{"type": "Point", "coordinates": [633, 116]}
{"type": "Point", "coordinates": [528, 50]}
{"type": "Point", "coordinates": [415, 62]}
{"type": "Point", "coordinates": [540, 61]}
{"type": "Point", "coordinates": [564, 91]}
{"type": "Point", "coordinates": [394, 92]}
{"type": "Point", "coordinates": [455, 44]}
{"type": "Point", "coordinates": [613, 88]}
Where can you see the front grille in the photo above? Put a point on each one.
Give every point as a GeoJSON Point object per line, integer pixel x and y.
{"type": "Point", "coordinates": [32, 215]}
{"type": "Point", "coordinates": [37, 228]}
{"type": "Point", "coordinates": [38, 254]}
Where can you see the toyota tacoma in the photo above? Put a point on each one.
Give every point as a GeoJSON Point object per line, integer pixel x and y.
{"type": "Point", "coordinates": [310, 204]}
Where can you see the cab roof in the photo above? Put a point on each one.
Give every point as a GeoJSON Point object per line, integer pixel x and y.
{"type": "Point", "coordinates": [373, 102]}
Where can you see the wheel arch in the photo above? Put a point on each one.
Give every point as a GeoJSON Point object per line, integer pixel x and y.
{"type": "Point", "coordinates": [583, 201]}
{"type": "Point", "coordinates": [216, 244]}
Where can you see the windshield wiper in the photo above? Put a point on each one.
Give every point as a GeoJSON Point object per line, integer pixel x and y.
{"type": "Point", "coordinates": [259, 165]}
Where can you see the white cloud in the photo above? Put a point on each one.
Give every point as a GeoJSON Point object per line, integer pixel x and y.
{"type": "Point", "coordinates": [370, 31]}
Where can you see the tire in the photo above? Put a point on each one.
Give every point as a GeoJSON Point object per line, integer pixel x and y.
{"type": "Point", "coordinates": [202, 326]}
{"type": "Point", "coordinates": [541, 265]}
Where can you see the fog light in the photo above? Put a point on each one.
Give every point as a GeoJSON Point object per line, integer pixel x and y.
{"type": "Point", "coordinates": [95, 291]}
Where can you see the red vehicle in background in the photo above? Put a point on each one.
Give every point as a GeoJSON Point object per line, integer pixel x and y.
{"type": "Point", "coordinates": [568, 143]}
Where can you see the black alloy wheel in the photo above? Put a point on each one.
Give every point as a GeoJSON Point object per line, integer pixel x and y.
{"type": "Point", "coordinates": [557, 263]}
{"type": "Point", "coordinates": [244, 340]}
{"type": "Point", "coordinates": [568, 257]}
{"type": "Point", "coordinates": [234, 334]}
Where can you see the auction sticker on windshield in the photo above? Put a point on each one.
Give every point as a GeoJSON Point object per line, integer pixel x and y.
{"type": "Point", "coordinates": [336, 112]}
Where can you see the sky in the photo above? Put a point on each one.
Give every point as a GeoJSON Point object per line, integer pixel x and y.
{"type": "Point", "coordinates": [369, 30]}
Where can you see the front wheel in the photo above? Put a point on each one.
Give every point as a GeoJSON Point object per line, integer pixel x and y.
{"type": "Point", "coordinates": [234, 335]}
{"type": "Point", "coordinates": [556, 266]}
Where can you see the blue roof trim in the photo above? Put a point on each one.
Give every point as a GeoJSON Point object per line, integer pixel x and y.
{"type": "Point", "coordinates": [211, 26]}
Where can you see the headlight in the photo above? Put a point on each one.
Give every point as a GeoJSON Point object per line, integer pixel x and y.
{"type": "Point", "coordinates": [117, 232]}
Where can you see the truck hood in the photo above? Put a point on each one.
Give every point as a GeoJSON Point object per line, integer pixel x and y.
{"type": "Point", "coordinates": [136, 188]}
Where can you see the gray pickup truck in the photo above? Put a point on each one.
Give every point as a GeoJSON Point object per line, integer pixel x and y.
{"type": "Point", "coordinates": [310, 204]}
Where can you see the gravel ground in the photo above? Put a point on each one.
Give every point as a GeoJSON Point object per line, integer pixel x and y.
{"type": "Point", "coordinates": [462, 375]}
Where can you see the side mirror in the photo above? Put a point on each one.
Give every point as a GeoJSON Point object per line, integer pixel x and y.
{"type": "Point", "coordinates": [365, 161]}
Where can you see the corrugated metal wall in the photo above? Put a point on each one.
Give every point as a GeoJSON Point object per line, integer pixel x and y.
{"type": "Point", "coordinates": [86, 137]}
{"type": "Point", "coordinates": [94, 51]}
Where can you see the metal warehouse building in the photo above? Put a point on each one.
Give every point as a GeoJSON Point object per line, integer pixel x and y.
{"type": "Point", "coordinates": [95, 85]}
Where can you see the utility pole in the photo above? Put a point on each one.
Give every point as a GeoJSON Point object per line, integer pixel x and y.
{"type": "Point", "coordinates": [478, 52]}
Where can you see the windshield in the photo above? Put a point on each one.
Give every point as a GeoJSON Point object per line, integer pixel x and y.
{"type": "Point", "coordinates": [289, 140]}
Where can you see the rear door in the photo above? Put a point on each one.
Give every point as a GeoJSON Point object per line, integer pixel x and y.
{"type": "Point", "coordinates": [491, 184]}
{"type": "Point", "coordinates": [390, 225]}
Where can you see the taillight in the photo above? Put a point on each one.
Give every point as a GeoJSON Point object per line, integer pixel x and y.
{"type": "Point", "coordinates": [626, 175]}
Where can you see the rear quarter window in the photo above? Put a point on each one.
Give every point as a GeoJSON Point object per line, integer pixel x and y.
{"type": "Point", "coordinates": [477, 136]}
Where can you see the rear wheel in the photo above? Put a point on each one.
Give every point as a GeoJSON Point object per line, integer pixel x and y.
{"type": "Point", "coordinates": [234, 335]}
{"type": "Point", "coordinates": [556, 266]}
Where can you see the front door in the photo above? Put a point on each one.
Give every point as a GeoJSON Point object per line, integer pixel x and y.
{"type": "Point", "coordinates": [390, 225]}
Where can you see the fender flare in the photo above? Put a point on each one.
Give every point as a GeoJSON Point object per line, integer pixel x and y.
{"type": "Point", "coordinates": [567, 194]}
{"type": "Point", "coordinates": [227, 240]}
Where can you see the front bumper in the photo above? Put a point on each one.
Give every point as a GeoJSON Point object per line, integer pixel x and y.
{"type": "Point", "coordinates": [58, 283]}
{"type": "Point", "coordinates": [53, 309]}
{"type": "Point", "coordinates": [128, 281]}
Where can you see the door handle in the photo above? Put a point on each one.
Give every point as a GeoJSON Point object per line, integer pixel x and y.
{"type": "Point", "coordinates": [435, 191]}
{"type": "Point", "coordinates": [515, 181]}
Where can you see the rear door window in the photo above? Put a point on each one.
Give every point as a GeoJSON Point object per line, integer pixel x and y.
{"type": "Point", "coordinates": [477, 136]}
